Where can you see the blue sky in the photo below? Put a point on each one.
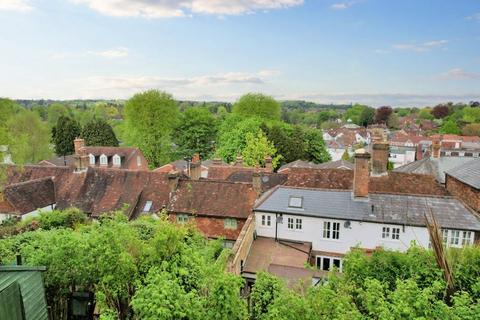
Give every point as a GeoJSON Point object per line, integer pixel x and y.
{"type": "Point", "coordinates": [408, 52]}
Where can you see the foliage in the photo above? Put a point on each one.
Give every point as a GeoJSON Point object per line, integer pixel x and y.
{"type": "Point", "coordinates": [28, 138]}
{"type": "Point", "coordinates": [315, 147]}
{"type": "Point", "coordinates": [367, 116]}
{"type": "Point", "coordinates": [55, 111]}
{"type": "Point", "coordinates": [354, 114]}
{"type": "Point", "coordinates": [425, 114]}
{"type": "Point", "coordinates": [98, 132]}
{"type": "Point", "coordinates": [382, 114]}
{"type": "Point", "coordinates": [150, 118]}
{"type": "Point", "coordinates": [63, 134]}
{"type": "Point", "coordinates": [450, 127]}
{"type": "Point", "coordinates": [346, 156]}
{"type": "Point", "coordinates": [471, 114]}
{"type": "Point", "coordinates": [288, 140]}
{"type": "Point", "coordinates": [257, 149]}
{"type": "Point", "coordinates": [257, 105]}
{"type": "Point", "coordinates": [471, 129]}
{"type": "Point", "coordinates": [393, 121]}
{"type": "Point", "coordinates": [196, 133]}
{"type": "Point", "coordinates": [440, 111]}
{"type": "Point", "coordinates": [232, 135]}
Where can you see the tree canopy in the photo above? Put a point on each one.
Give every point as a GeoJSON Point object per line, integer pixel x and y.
{"type": "Point", "coordinates": [150, 118]}
{"type": "Point", "coordinates": [98, 132]}
{"type": "Point", "coordinates": [64, 133]}
{"type": "Point", "coordinates": [257, 105]}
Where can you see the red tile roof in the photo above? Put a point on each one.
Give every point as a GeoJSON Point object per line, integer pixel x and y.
{"type": "Point", "coordinates": [25, 197]}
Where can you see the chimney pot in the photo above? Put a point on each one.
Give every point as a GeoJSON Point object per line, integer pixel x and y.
{"type": "Point", "coordinates": [380, 152]}
{"type": "Point", "coordinates": [79, 144]}
{"type": "Point", "coordinates": [436, 148]}
{"type": "Point", "coordinates": [268, 164]}
{"type": "Point", "coordinates": [257, 183]}
{"type": "Point", "coordinates": [239, 162]}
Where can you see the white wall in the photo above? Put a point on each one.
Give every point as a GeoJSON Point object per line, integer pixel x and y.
{"type": "Point", "coordinates": [364, 234]}
{"type": "Point", "coordinates": [38, 211]}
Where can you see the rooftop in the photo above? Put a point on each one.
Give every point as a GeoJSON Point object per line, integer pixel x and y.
{"type": "Point", "coordinates": [468, 173]}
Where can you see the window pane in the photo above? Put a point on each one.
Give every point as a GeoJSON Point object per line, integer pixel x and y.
{"type": "Point", "coordinates": [269, 220]}
{"type": "Point", "coordinates": [336, 230]}
{"type": "Point", "coordinates": [295, 202]}
{"type": "Point", "coordinates": [336, 263]}
{"type": "Point", "coordinates": [290, 223]}
{"type": "Point", "coordinates": [319, 262]}
{"type": "Point", "coordinates": [298, 224]}
{"type": "Point", "coordinates": [466, 238]}
{"type": "Point", "coordinates": [326, 264]}
{"type": "Point", "coordinates": [263, 220]}
{"type": "Point", "coordinates": [326, 230]}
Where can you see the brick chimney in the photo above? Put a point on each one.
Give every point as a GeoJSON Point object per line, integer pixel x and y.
{"type": "Point", "coordinates": [173, 178]}
{"type": "Point", "coordinates": [361, 174]}
{"type": "Point", "coordinates": [79, 144]}
{"type": "Point", "coordinates": [257, 183]}
{"type": "Point", "coordinates": [268, 164]}
{"type": "Point", "coordinates": [380, 152]}
{"type": "Point", "coordinates": [436, 148]}
{"type": "Point", "coordinates": [216, 162]}
{"type": "Point", "coordinates": [239, 162]}
{"type": "Point", "coordinates": [195, 167]}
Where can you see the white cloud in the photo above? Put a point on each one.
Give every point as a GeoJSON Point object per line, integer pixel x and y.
{"type": "Point", "coordinates": [459, 74]}
{"type": "Point", "coordinates": [475, 16]}
{"type": "Point", "coordinates": [15, 5]}
{"type": "Point", "coordinates": [181, 8]}
{"type": "Point", "coordinates": [342, 5]}
{"type": "Point", "coordinates": [421, 47]}
{"type": "Point", "coordinates": [119, 52]}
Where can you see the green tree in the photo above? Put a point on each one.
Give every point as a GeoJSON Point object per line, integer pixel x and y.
{"type": "Point", "coordinates": [354, 113]}
{"type": "Point", "coordinates": [367, 116]}
{"type": "Point", "coordinates": [55, 111]}
{"type": "Point", "coordinates": [267, 288]}
{"type": "Point", "coordinates": [196, 132]}
{"type": "Point", "coordinates": [257, 148]}
{"type": "Point", "coordinates": [289, 141]}
{"type": "Point", "coordinates": [63, 134]}
{"type": "Point", "coordinates": [471, 129]}
{"type": "Point", "coordinates": [315, 147]}
{"type": "Point", "coordinates": [28, 138]}
{"type": "Point", "coordinates": [150, 118]}
{"type": "Point", "coordinates": [426, 114]}
{"type": "Point", "coordinates": [232, 135]}
{"type": "Point", "coordinates": [257, 105]}
{"type": "Point", "coordinates": [471, 114]}
{"type": "Point", "coordinates": [450, 127]}
{"type": "Point", "coordinates": [99, 133]}
{"type": "Point", "coordinates": [346, 155]}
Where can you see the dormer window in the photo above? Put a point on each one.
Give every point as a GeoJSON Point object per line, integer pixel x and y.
{"type": "Point", "coordinates": [117, 161]}
{"type": "Point", "coordinates": [91, 158]}
{"type": "Point", "coordinates": [295, 202]}
{"type": "Point", "coordinates": [148, 206]}
{"type": "Point", "coordinates": [103, 160]}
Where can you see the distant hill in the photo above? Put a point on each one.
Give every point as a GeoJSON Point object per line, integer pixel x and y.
{"type": "Point", "coordinates": [307, 105]}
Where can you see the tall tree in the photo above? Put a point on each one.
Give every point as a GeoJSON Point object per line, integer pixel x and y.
{"type": "Point", "coordinates": [257, 148]}
{"type": "Point", "coordinates": [367, 116]}
{"type": "Point", "coordinates": [440, 111]}
{"type": "Point", "coordinates": [315, 147]}
{"type": "Point", "coordinates": [382, 114]}
{"type": "Point", "coordinates": [98, 132]}
{"type": "Point", "coordinates": [196, 132]}
{"type": "Point", "coordinates": [289, 142]}
{"type": "Point", "coordinates": [28, 138]}
{"type": "Point", "coordinates": [55, 111]}
{"type": "Point", "coordinates": [150, 118]}
{"type": "Point", "coordinates": [472, 129]}
{"type": "Point", "coordinates": [257, 105]}
{"type": "Point", "coordinates": [450, 127]}
{"type": "Point", "coordinates": [63, 134]}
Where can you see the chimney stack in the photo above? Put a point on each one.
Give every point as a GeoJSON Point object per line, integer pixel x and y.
{"type": "Point", "coordinates": [195, 167]}
{"type": "Point", "coordinates": [173, 178]}
{"type": "Point", "coordinates": [239, 162]}
{"type": "Point", "coordinates": [217, 162]}
{"type": "Point", "coordinates": [257, 183]}
{"type": "Point", "coordinates": [361, 174]}
{"type": "Point", "coordinates": [268, 164]}
{"type": "Point", "coordinates": [380, 152]}
{"type": "Point", "coordinates": [79, 144]}
{"type": "Point", "coordinates": [436, 148]}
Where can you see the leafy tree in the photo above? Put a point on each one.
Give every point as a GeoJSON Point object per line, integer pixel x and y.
{"type": "Point", "coordinates": [354, 113]}
{"type": "Point", "coordinates": [196, 132]}
{"type": "Point", "coordinates": [392, 121]}
{"type": "Point", "coordinates": [450, 127]}
{"type": "Point", "coordinates": [346, 156]}
{"type": "Point", "coordinates": [440, 111]}
{"type": "Point", "coordinates": [232, 135]}
{"type": "Point", "coordinates": [289, 141]}
{"type": "Point", "coordinates": [257, 105]}
{"type": "Point", "coordinates": [471, 114]}
{"type": "Point", "coordinates": [367, 116]}
{"type": "Point", "coordinates": [382, 114]}
{"type": "Point", "coordinates": [472, 129]}
{"type": "Point", "coordinates": [63, 134]}
{"type": "Point", "coordinates": [425, 114]}
{"type": "Point", "coordinates": [257, 148]}
{"type": "Point", "coordinates": [28, 138]}
{"type": "Point", "coordinates": [55, 111]}
{"type": "Point", "coordinates": [150, 118]}
{"type": "Point", "coordinates": [99, 133]}
{"type": "Point", "coordinates": [267, 288]}
{"type": "Point", "coordinates": [315, 147]}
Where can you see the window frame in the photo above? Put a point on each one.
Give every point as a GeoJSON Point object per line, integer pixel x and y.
{"type": "Point", "coordinates": [330, 232]}
{"type": "Point", "coordinates": [290, 223]}
{"type": "Point", "coordinates": [295, 198]}
{"type": "Point", "coordinates": [385, 232]}
{"type": "Point", "coordinates": [148, 204]}
{"type": "Point", "coordinates": [103, 160]}
{"type": "Point", "coordinates": [230, 223]}
{"type": "Point", "coordinates": [331, 263]}
{"type": "Point", "coordinates": [395, 233]}
{"type": "Point", "coordinates": [266, 221]}
{"type": "Point", "coordinates": [117, 160]}
{"type": "Point", "coordinates": [90, 158]}
{"type": "Point", "coordinates": [298, 224]}
{"type": "Point", "coordinates": [182, 218]}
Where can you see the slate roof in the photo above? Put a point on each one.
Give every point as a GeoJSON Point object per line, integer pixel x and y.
{"type": "Point", "coordinates": [468, 173]}
{"type": "Point", "coordinates": [297, 164]}
{"type": "Point", "coordinates": [28, 196]}
{"type": "Point", "coordinates": [216, 172]}
{"type": "Point", "coordinates": [339, 164]}
{"type": "Point", "coordinates": [434, 166]}
{"type": "Point", "coordinates": [387, 208]}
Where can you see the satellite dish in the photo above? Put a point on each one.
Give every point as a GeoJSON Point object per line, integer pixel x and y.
{"type": "Point", "coordinates": [347, 224]}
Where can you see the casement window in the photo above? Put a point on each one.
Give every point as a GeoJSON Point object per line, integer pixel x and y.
{"type": "Point", "coordinates": [91, 158]}
{"type": "Point", "coordinates": [230, 223]}
{"type": "Point", "coordinates": [326, 263]}
{"type": "Point", "coordinates": [298, 224]}
{"type": "Point", "coordinates": [148, 206]}
{"type": "Point", "coordinates": [295, 202]}
{"type": "Point", "coordinates": [103, 160]}
{"type": "Point", "coordinates": [290, 223]}
{"type": "Point", "coordinates": [182, 218]}
{"type": "Point", "coordinates": [385, 232]}
{"type": "Point", "coordinates": [396, 233]}
{"type": "Point", "coordinates": [139, 161]}
{"type": "Point", "coordinates": [457, 238]}
{"type": "Point", "coordinates": [117, 161]}
{"type": "Point", "coordinates": [266, 220]}
{"type": "Point", "coordinates": [331, 230]}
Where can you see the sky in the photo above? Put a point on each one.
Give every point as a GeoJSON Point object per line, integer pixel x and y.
{"type": "Point", "coordinates": [376, 52]}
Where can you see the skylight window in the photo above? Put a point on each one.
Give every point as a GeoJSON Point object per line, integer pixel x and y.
{"type": "Point", "coordinates": [148, 206]}
{"type": "Point", "coordinates": [295, 202]}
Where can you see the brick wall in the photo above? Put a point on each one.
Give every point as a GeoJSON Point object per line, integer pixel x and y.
{"type": "Point", "coordinates": [466, 193]}
{"type": "Point", "coordinates": [242, 246]}
{"type": "Point", "coordinates": [212, 227]}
